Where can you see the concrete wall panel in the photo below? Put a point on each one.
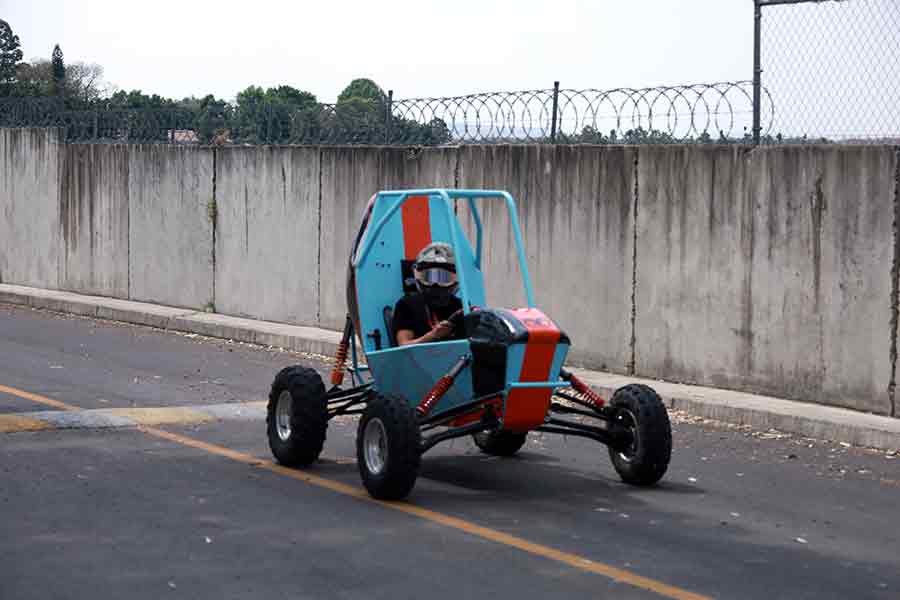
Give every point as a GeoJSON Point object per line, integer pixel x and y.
{"type": "Point", "coordinates": [267, 250]}
{"type": "Point", "coordinates": [821, 274]}
{"type": "Point", "coordinates": [575, 210]}
{"type": "Point", "coordinates": [767, 270]}
{"type": "Point", "coordinates": [170, 189]}
{"type": "Point", "coordinates": [93, 196]}
{"type": "Point", "coordinates": [691, 246]}
{"type": "Point", "coordinates": [29, 207]}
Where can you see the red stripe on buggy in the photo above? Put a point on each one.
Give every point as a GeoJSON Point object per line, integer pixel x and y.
{"type": "Point", "coordinates": [527, 407]}
{"type": "Point", "coordinates": [416, 225]}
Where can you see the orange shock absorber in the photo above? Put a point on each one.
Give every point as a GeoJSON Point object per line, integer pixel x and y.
{"type": "Point", "coordinates": [583, 389]}
{"type": "Point", "coordinates": [337, 374]}
{"type": "Point", "coordinates": [440, 388]}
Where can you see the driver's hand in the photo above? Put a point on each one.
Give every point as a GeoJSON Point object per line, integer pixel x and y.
{"type": "Point", "coordinates": [442, 330]}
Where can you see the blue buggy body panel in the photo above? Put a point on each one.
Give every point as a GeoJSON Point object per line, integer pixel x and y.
{"type": "Point", "coordinates": [396, 226]}
{"type": "Point", "coordinates": [411, 371]}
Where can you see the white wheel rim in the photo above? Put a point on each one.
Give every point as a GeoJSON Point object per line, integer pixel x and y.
{"type": "Point", "coordinates": [283, 412]}
{"type": "Point", "coordinates": [375, 447]}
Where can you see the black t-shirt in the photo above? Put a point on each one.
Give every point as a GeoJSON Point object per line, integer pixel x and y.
{"type": "Point", "coordinates": [413, 313]}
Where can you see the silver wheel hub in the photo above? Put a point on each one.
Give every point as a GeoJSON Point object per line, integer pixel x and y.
{"type": "Point", "coordinates": [628, 420]}
{"type": "Point", "coordinates": [375, 446]}
{"type": "Point", "coordinates": [283, 411]}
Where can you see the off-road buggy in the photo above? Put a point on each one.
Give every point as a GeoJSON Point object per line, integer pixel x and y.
{"type": "Point", "coordinates": [502, 380]}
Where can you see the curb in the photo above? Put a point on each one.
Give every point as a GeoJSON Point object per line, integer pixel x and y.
{"type": "Point", "coordinates": [760, 412]}
{"type": "Point", "coordinates": [310, 340]}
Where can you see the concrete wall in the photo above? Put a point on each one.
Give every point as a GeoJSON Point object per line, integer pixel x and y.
{"type": "Point", "coordinates": [170, 191]}
{"type": "Point", "coordinates": [267, 251]}
{"type": "Point", "coordinates": [93, 214]}
{"type": "Point", "coordinates": [29, 207]}
{"type": "Point", "coordinates": [768, 270]}
{"type": "Point", "coordinates": [772, 270]}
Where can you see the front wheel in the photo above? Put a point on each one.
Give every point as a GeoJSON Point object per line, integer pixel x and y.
{"type": "Point", "coordinates": [387, 447]}
{"type": "Point", "coordinates": [641, 411]}
{"type": "Point", "coordinates": [297, 416]}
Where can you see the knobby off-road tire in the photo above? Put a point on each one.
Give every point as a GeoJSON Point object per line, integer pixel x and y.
{"type": "Point", "coordinates": [499, 443]}
{"type": "Point", "coordinates": [387, 447]}
{"type": "Point", "coordinates": [641, 410]}
{"type": "Point", "coordinates": [297, 416]}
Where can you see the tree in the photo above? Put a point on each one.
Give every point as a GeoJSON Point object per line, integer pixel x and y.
{"type": "Point", "coordinates": [83, 81]}
{"type": "Point", "coordinates": [276, 115]}
{"type": "Point", "coordinates": [10, 57]}
{"type": "Point", "coordinates": [138, 99]}
{"type": "Point", "coordinates": [58, 68]}
{"type": "Point", "coordinates": [212, 117]}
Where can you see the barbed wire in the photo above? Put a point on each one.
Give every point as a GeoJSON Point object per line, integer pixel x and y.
{"type": "Point", "coordinates": [667, 114]}
{"type": "Point", "coordinates": [722, 111]}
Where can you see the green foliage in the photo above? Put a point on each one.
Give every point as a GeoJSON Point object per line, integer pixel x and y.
{"type": "Point", "coordinates": [138, 99]}
{"type": "Point", "coordinates": [365, 90]}
{"type": "Point", "coordinates": [58, 69]}
{"type": "Point", "coordinates": [211, 118]}
{"type": "Point", "coordinates": [278, 115]}
{"type": "Point", "coordinates": [10, 57]}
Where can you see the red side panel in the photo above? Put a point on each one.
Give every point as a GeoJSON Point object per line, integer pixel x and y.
{"type": "Point", "coordinates": [416, 225]}
{"type": "Point", "coordinates": [526, 408]}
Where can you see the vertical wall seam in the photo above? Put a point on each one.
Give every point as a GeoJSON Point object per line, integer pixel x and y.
{"type": "Point", "coordinates": [319, 246]}
{"type": "Point", "coordinates": [632, 362]}
{"type": "Point", "coordinates": [214, 215]}
{"type": "Point", "coordinates": [895, 288]}
{"type": "Point", "coordinates": [128, 222]}
{"type": "Point", "coordinates": [61, 155]}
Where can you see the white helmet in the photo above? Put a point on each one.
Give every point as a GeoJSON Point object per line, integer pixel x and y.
{"type": "Point", "coordinates": [435, 269]}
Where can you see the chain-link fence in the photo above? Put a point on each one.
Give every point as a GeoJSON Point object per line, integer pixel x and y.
{"type": "Point", "coordinates": [717, 112]}
{"type": "Point", "coordinates": [833, 68]}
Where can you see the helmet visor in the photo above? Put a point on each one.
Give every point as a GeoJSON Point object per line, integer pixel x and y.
{"type": "Point", "coordinates": [436, 276]}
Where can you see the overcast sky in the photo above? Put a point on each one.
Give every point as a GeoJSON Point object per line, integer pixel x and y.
{"type": "Point", "coordinates": [415, 47]}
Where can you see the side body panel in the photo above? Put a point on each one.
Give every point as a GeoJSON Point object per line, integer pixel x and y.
{"type": "Point", "coordinates": [411, 372]}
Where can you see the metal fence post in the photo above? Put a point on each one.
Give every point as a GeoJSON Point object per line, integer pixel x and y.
{"type": "Point", "coordinates": [387, 117]}
{"type": "Point", "coordinates": [757, 69]}
{"type": "Point", "coordinates": [555, 105]}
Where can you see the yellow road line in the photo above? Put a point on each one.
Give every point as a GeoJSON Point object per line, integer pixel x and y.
{"type": "Point", "coordinates": [15, 423]}
{"type": "Point", "coordinates": [567, 558]}
{"type": "Point", "coordinates": [573, 560]}
{"type": "Point", "coordinates": [37, 398]}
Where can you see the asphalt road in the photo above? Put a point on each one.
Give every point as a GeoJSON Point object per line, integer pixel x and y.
{"type": "Point", "coordinates": [200, 510]}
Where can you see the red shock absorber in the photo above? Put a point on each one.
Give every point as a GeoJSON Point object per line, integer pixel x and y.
{"type": "Point", "coordinates": [440, 388]}
{"type": "Point", "coordinates": [583, 389]}
{"type": "Point", "coordinates": [431, 398]}
{"type": "Point", "coordinates": [337, 374]}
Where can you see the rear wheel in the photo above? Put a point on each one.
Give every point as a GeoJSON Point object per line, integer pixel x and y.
{"type": "Point", "coordinates": [297, 416]}
{"type": "Point", "coordinates": [641, 411]}
{"type": "Point", "coordinates": [387, 447]}
{"type": "Point", "coordinates": [499, 443]}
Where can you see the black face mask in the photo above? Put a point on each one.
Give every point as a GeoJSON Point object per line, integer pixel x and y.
{"type": "Point", "coordinates": [437, 296]}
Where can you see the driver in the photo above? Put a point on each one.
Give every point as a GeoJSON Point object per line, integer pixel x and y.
{"type": "Point", "coordinates": [432, 313]}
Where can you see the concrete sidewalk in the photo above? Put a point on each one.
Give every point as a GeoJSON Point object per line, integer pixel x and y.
{"type": "Point", "coordinates": [762, 412]}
